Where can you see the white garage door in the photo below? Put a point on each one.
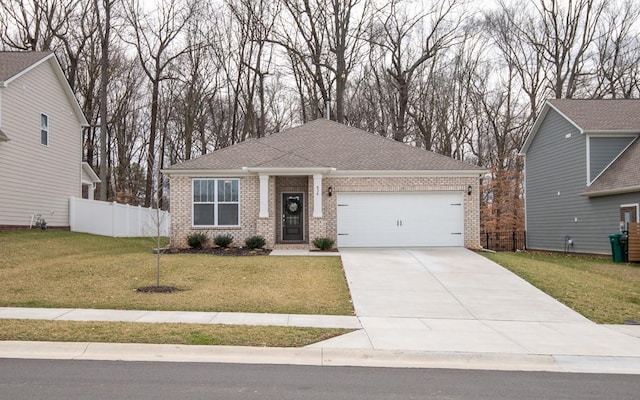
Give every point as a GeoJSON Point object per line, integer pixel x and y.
{"type": "Point", "coordinates": [400, 219]}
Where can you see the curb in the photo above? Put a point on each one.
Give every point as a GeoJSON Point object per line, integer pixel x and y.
{"type": "Point", "coordinates": [317, 357]}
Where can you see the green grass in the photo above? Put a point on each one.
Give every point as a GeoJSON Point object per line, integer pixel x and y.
{"type": "Point", "coordinates": [57, 269]}
{"type": "Point", "coordinates": [190, 334]}
{"type": "Point", "coordinates": [599, 289]}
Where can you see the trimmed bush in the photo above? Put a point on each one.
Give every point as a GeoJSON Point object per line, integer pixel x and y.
{"type": "Point", "coordinates": [323, 243]}
{"type": "Point", "coordinates": [255, 242]}
{"type": "Point", "coordinates": [223, 240]}
{"type": "Point", "coordinates": [197, 240]}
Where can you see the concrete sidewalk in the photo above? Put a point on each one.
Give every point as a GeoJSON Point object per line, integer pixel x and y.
{"type": "Point", "coordinates": [185, 317]}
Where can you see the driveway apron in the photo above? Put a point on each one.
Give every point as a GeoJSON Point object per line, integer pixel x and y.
{"type": "Point", "coordinates": [452, 299]}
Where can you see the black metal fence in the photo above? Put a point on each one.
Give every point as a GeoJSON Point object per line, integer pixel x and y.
{"type": "Point", "coordinates": [504, 241]}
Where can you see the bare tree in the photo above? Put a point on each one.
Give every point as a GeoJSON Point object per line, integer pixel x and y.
{"type": "Point", "coordinates": [562, 32]}
{"type": "Point", "coordinates": [397, 27]}
{"type": "Point", "coordinates": [325, 47]}
{"type": "Point", "coordinates": [104, 32]}
{"type": "Point", "coordinates": [618, 52]}
{"type": "Point", "coordinates": [35, 24]}
{"type": "Point", "coordinates": [156, 40]}
{"type": "Point", "coordinates": [255, 20]}
{"type": "Point", "coordinates": [127, 124]}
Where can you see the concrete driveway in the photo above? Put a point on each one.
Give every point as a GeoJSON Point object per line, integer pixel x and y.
{"type": "Point", "coordinates": [454, 300]}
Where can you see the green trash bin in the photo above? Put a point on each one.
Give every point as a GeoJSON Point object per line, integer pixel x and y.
{"type": "Point", "coordinates": [616, 247]}
{"type": "Point", "coordinates": [624, 243]}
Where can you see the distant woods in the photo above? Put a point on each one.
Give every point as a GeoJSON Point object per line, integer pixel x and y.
{"type": "Point", "coordinates": [166, 81]}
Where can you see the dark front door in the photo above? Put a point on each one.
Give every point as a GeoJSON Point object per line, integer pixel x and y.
{"type": "Point", "coordinates": [292, 217]}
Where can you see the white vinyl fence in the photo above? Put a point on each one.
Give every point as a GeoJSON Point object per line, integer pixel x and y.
{"type": "Point", "coordinates": [117, 220]}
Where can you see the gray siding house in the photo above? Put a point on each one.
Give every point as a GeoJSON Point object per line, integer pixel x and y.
{"type": "Point", "coordinates": [582, 174]}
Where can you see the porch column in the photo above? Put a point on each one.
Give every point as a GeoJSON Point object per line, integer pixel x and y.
{"type": "Point", "coordinates": [317, 196]}
{"type": "Point", "coordinates": [264, 196]}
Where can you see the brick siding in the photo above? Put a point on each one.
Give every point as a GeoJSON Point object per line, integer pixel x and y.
{"type": "Point", "coordinates": [326, 226]}
{"type": "Point", "coordinates": [181, 206]}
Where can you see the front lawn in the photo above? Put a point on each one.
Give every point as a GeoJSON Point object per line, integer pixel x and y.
{"type": "Point", "coordinates": [56, 269]}
{"type": "Point", "coordinates": [597, 288]}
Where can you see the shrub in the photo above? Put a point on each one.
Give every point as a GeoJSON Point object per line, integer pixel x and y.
{"type": "Point", "coordinates": [197, 240]}
{"type": "Point", "coordinates": [223, 240]}
{"type": "Point", "coordinates": [323, 243]}
{"type": "Point", "coordinates": [255, 242]}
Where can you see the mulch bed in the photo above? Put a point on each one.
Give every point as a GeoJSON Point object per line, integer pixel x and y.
{"type": "Point", "coordinates": [219, 251]}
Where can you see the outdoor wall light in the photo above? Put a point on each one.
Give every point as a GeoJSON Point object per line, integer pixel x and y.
{"type": "Point", "coordinates": [469, 189]}
{"type": "Point", "coordinates": [329, 191]}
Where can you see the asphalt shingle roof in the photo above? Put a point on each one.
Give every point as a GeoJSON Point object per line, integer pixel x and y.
{"type": "Point", "coordinates": [601, 115]}
{"type": "Point", "coordinates": [325, 144]}
{"type": "Point", "coordinates": [13, 62]}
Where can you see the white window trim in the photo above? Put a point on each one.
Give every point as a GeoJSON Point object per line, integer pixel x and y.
{"type": "Point", "coordinates": [47, 130]}
{"type": "Point", "coordinates": [215, 203]}
{"type": "Point", "coordinates": [636, 205]}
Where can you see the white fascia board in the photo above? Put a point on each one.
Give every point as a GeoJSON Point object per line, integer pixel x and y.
{"type": "Point", "coordinates": [86, 168]}
{"type": "Point", "coordinates": [205, 173]}
{"type": "Point", "coordinates": [410, 173]}
{"type": "Point", "coordinates": [323, 171]}
{"type": "Point", "coordinates": [248, 171]}
{"type": "Point", "coordinates": [29, 68]}
{"type": "Point", "coordinates": [614, 132]}
{"type": "Point", "coordinates": [534, 129]}
{"type": "Point", "coordinates": [608, 165]}
{"type": "Point", "coordinates": [290, 171]}
{"type": "Point", "coordinates": [609, 192]}
{"type": "Point", "coordinates": [73, 101]}
{"type": "Point", "coordinates": [572, 122]}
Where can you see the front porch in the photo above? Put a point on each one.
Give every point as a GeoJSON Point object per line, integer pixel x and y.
{"type": "Point", "coordinates": [291, 210]}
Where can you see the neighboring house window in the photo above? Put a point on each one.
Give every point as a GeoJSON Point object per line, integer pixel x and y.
{"type": "Point", "coordinates": [44, 129]}
{"type": "Point", "coordinates": [216, 202]}
{"type": "Point", "coordinates": [628, 214]}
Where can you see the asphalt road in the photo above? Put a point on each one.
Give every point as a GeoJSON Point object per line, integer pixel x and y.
{"type": "Point", "coordinates": [70, 380]}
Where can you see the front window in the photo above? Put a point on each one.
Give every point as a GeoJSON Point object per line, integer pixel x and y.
{"type": "Point", "coordinates": [44, 129]}
{"type": "Point", "coordinates": [216, 202]}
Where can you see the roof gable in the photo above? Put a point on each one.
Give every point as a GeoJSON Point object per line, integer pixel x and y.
{"type": "Point", "coordinates": [614, 115]}
{"type": "Point", "coordinates": [623, 175]}
{"type": "Point", "coordinates": [16, 64]}
{"type": "Point", "coordinates": [324, 144]}
{"type": "Point", "coordinates": [592, 116]}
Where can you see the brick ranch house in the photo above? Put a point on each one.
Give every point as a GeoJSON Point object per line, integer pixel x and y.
{"type": "Point", "coordinates": [326, 179]}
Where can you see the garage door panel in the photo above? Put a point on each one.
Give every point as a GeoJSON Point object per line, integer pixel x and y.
{"type": "Point", "coordinates": [400, 219]}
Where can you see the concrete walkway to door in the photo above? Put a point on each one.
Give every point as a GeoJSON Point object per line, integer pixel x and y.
{"type": "Point", "coordinates": [454, 300]}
